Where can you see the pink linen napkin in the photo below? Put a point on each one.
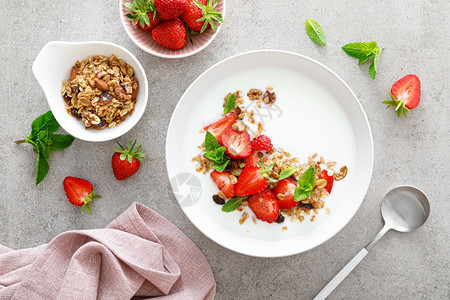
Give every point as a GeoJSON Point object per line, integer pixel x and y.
{"type": "Point", "coordinates": [139, 255]}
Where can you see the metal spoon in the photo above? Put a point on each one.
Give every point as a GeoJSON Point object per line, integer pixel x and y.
{"type": "Point", "coordinates": [404, 208]}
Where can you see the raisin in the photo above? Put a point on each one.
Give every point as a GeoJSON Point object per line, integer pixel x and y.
{"type": "Point", "coordinates": [105, 97]}
{"type": "Point", "coordinates": [307, 206]}
{"type": "Point", "coordinates": [101, 124]}
{"type": "Point", "coordinates": [218, 200]}
{"type": "Point", "coordinates": [280, 218]}
{"type": "Point", "coordinates": [76, 113]}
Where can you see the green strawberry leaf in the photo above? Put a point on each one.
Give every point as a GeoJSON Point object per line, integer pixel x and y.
{"type": "Point", "coordinates": [230, 104]}
{"type": "Point", "coordinates": [315, 32]}
{"type": "Point", "coordinates": [232, 204]}
{"type": "Point", "coordinates": [45, 121]}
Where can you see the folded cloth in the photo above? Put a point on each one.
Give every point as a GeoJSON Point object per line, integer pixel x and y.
{"type": "Point", "coordinates": [139, 255]}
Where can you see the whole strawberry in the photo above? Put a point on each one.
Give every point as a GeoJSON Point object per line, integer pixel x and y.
{"type": "Point", "coordinates": [126, 161]}
{"type": "Point", "coordinates": [170, 9]}
{"type": "Point", "coordinates": [201, 14]}
{"type": "Point", "coordinates": [170, 34]}
{"type": "Point", "coordinates": [80, 192]}
{"type": "Point", "coordinates": [143, 14]}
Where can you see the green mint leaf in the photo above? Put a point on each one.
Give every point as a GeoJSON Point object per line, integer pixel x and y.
{"type": "Point", "coordinates": [299, 194]}
{"type": "Point", "coordinates": [365, 51]}
{"type": "Point", "coordinates": [43, 141]}
{"type": "Point", "coordinates": [216, 155]}
{"type": "Point", "coordinates": [211, 143]}
{"type": "Point", "coordinates": [230, 104]}
{"type": "Point", "coordinates": [45, 121]}
{"type": "Point", "coordinates": [61, 141]}
{"type": "Point", "coordinates": [232, 204]}
{"type": "Point", "coordinates": [308, 178]}
{"type": "Point", "coordinates": [220, 167]}
{"type": "Point", "coordinates": [315, 32]}
{"type": "Point", "coordinates": [359, 50]}
{"type": "Point", "coordinates": [305, 185]}
{"type": "Point", "coordinates": [42, 167]}
{"type": "Point", "coordinates": [374, 66]}
{"type": "Point", "coordinates": [286, 173]}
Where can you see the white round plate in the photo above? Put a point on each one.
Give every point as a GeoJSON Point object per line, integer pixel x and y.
{"type": "Point", "coordinates": [315, 112]}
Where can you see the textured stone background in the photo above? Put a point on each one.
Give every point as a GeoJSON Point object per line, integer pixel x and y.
{"type": "Point", "coordinates": [416, 38]}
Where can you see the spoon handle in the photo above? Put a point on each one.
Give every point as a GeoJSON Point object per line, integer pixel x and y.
{"type": "Point", "coordinates": [326, 291]}
{"type": "Point", "coordinates": [341, 275]}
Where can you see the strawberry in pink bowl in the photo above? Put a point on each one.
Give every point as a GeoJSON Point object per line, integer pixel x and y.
{"type": "Point", "coordinates": [172, 28]}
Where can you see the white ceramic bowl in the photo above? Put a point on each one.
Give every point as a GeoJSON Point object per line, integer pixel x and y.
{"type": "Point", "coordinates": [53, 65]}
{"type": "Point", "coordinates": [144, 39]}
{"type": "Point", "coordinates": [315, 112]}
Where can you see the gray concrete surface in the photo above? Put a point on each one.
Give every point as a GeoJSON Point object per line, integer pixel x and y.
{"type": "Point", "coordinates": [415, 36]}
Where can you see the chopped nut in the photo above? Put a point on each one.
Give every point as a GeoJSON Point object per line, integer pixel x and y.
{"type": "Point", "coordinates": [341, 175]}
{"type": "Point", "coordinates": [320, 183]}
{"type": "Point", "coordinates": [221, 195]}
{"type": "Point", "coordinates": [243, 218]}
{"type": "Point", "coordinates": [239, 126]}
{"type": "Point", "coordinates": [254, 94]}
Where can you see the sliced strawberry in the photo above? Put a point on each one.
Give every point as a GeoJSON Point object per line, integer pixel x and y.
{"type": "Point", "coordinates": [286, 187]}
{"type": "Point", "coordinates": [405, 94]}
{"type": "Point", "coordinates": [328, 178]}
{"type": "Point", "coordinates": [223, 182]}
{"type": "Point", "coordinates": [79, 192]}
{"type": "Point", "coordinates": [250, 182]}
{"type": "Point", "coordinates": [254, 158]}
{"type": "Point", "coordinates": [265, 206]}
{"type": "Point", "coordinates": [262, 142]}
{"type": "Point", "coordinates": [237, 144]}
{"type": "Point", "coordinates": [219, 127]}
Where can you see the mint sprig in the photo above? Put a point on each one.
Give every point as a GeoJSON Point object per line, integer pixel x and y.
{"type": "Point", "coordinates": [305, 185]}
{"type": "Point", "coordinates": [365, 51]}
{"type": "Point", "coordinates": [43, 140]}
{"type": "Point", "coordinates": [286, 173]}
{"type": "Point", "coordinates": [215, 153]}
{"type": "Point", "coordinates": [315, 32]}
{"type": "Point", "coordinates": [230, 104]}
{"type": "Point", "coordinates": [232, 204]}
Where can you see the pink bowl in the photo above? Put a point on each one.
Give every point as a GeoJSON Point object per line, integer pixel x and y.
{"type": "Point", "coordinates": [144, 39]}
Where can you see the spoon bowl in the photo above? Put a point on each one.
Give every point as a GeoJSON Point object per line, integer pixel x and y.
{"type": "Point", "coordinates": [405, 208]}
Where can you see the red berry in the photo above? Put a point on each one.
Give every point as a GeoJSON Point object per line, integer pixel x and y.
{"type": "Point", "coordinates": [254, 158]}
{"type": "Point", "coordinates": [80, 192]}
{"type": "Point", "coordinates": [328, 178]}
{"type": "Point", "coordinates": [405, 94]}
{"type": "Point", "coordinates": [223, 182]}
{"type": "Point", "coordinates": [126, 161]}
{"type": "Point", "coordinates": [154, 21]}
{"type": "Point", "coordinates": [250, 182]}
{"type": "Point", "coordinates": [219, 127]}
{"type": "Point", "coordinates": [286, 187]}
{"type": "Point", "coordinates": [170, 9]}
{"type": "Point", "coordinates": [262, 142]}
{"type": "Point", "coordinates": [237, 144]}
{"type": "Point", "coordinates": [265, 206]}
{"type": "Point", "coordinates": [170, 34]}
